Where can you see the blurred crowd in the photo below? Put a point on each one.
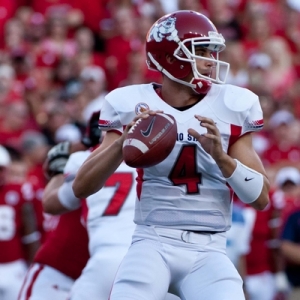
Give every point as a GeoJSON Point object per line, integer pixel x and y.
{"type": "Point", "coordinates": [58, 59]}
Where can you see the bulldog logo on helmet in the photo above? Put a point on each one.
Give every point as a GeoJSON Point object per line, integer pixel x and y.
{"type": "Point", "coordinates": [164, 30]}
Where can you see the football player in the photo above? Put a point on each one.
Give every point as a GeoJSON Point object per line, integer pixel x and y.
{"type": "Point", "coordinates": [19, 236]}
{"type": "Point", "coordinates": [183, 206]}
{"type": "Point", "coordinates": [63, 255]}
{"type": "Point", "coordinates": [59, 261]}
{"type": "Point", "coordinates": [109, 222]}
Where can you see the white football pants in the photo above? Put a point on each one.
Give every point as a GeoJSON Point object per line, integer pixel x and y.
{"type": "Point", "coordinates": [190, 265]}
{"type": "Point", "coordinates": [45, 283]}
{"type": "Point", "coordinates": [12, 275]}
{"type": "Point", "coordinates": [97, 277]}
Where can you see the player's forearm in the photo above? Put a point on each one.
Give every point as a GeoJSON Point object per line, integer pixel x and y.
{"type": "Point", "coordinates": [96, 170]}
{"type": "Point", "coordinates": [226, 165]}
{"type": "Point", "coordinates": [50, 201]}
{"type": "Point", "coordinates": [251, 186]}
{"type": "Point", "coordinates": [261, 202]}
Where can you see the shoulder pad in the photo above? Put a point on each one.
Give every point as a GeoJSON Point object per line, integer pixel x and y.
{"type": "Point", "coordinates": [231, 104]}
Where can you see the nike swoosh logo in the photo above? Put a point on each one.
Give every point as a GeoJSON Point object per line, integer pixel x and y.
{"type": "Point", "coordinates": [147, 132]}
{"type": "Point", "coordinates": [248, 179]}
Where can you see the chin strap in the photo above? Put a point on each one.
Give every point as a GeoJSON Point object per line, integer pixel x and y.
{"type": "Point", "coordinates": [202, 86]}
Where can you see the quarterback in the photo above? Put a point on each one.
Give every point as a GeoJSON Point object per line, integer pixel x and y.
{"type": "Point", "coordinates": [183, 204]}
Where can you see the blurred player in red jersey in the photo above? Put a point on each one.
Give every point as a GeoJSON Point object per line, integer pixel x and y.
{"type": "Point", "coordinates": [18, 173]}
{"type": "Point", "coordinates": [64, 253]}
{"type": "Point", "coordinates": [59, 261]}
{"type": "Point", "coordinates": [109, 222]}
{"type": "Point", "coordinates": [19, 238]}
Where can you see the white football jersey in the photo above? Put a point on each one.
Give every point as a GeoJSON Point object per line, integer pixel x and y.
{"type": "Point", "coordinates": [110, 210]}
{"type": "Point", "coordinates": [187, 190]}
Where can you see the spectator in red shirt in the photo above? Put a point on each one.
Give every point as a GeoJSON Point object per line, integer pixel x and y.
{"type": "Point", "coordinates": [14, 34]}
{"type": "Point", "coordinates": [284, 149]}
{"type": "Point", "coordinates": [119, 47]}
{"type": "Point", "coordinates": [225, 19]}
{"type": "Point", "coordinates": [34, 147]}
{"type": "Point", "coordinates": [85, 49]}
{"type": "Point", "coordinates": [9, 90]}
{"type": "Point", "coordinates": [57, 41]}
{"type": "Point", "coordinates": [94, 84]}
{"type": "Point", "coordinates": [280, 75]}
{"type": "Point", "coordinates": [69, 8]}
{"type": "Point", "coordinates": [238, 73]}
{"type": "Point", "coordinates": [93, 13]}
{"type": "Point", "coordinates": [14, 123]}
{"type": "Point", "coordinates": [258, 68]}
{"type": "Point", "coordinates": [292, 33]}
{"type": "Point", "coordinates": [263, 262]}
{"type": "Point", "coordinates": [255, 35]}
{"type": "Point", "coordinates": [138, 72]}
{"type": "Point", "coordinates": [8, 8]}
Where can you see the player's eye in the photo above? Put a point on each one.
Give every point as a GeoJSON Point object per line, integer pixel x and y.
{"type": "Point", "coordinates": [200, 51]}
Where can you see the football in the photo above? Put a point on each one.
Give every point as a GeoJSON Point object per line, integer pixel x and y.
{"type": "Point", "coordinates": [150, 141]}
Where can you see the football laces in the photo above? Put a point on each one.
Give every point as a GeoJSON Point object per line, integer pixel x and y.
{"type": "Point", "coordinates": [134, 126]}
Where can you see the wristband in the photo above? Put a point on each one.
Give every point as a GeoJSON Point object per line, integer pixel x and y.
{"type": "Point", "coordinates": [246, 183]}
{"type": "Point", "coordinates": [67, 198]}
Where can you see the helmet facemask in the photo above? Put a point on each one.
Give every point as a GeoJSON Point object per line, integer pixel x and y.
{"type": "Point", "coordinates": [188, 48]}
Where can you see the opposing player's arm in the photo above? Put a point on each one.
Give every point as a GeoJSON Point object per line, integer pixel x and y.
{"type": "Point", "coordinates": [101, 163]}
{"type": "Point", "coordinates": [60, 166]}
{"type": "Point", "coordinates": [50, 200]}
{"type": "Point", "coordinates": [242, 150]}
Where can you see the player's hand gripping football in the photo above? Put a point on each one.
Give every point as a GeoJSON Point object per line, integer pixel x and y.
{"type": "Point", "coordinates": [144, 115]}
{"type": "Point", "coordinates": [211, 140]}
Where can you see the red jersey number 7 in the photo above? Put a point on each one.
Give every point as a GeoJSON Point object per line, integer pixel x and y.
{"type": "Point", "coordinates": [123, 183]}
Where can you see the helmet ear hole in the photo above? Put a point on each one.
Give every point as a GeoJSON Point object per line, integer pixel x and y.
{"type": "Point", "coordinates": [179, 69]}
